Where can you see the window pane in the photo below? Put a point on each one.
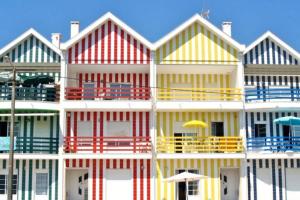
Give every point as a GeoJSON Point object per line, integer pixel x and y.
{"type": "Point", "coordinates": [41, 183]}
{"type": "Point", "coordinates": [2, 184]}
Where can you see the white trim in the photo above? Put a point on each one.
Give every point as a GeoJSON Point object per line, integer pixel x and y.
{"type": "Point", "coordinates": [101, 20]}
{"type": "Point", "coordinates": [272, 36]}
{"type": "Point", "coordinates": [193, 19]}
{"type": "Point", "coordinates": [25, 35]}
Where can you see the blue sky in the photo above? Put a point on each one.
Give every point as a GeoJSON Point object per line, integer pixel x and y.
{"type": "Point", "coordinates": [153, 18]}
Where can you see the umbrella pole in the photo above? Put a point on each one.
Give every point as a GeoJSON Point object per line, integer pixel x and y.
{"type": "Point", "coordinates": [186, 189]}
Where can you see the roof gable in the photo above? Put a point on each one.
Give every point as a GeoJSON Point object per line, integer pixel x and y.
{"type": "Point", "coordinates": [31, 47]}
{"type": "Point", "coordinates": [270, 50]}
{"type": "Point", "coordinates": [197, 41]}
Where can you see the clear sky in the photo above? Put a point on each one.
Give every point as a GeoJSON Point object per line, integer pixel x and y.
{"type": "Point", "coordinates": [153, 18]}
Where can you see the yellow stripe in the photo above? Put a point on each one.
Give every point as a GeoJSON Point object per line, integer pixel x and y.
{"type": "Point", "coordinates": [229, 124]}
{"type": "Point", "coordinates": [184, 116]}
{"type": "Point", "coordinates": [205, 180]}
{"type": "Point", "coordinates": [158, 124]}
{"type": "Point", "coordinates": [219, 182]}
{"type": "Point", "coordinates": [172, 184]}
{"type": "Point", "coordinates": [165, 182]}
{"type": "Point", "coordinates": [165, 123]}
{"type": "Point", "coordinates": [177, 50]}
{"type": "Point", "coordinates": [164, 54]}
{"type": "Point", "coordinates": [171, 127]}
{"type": "Point", "coordinates": [158, 56]}
{"type": "Point", "coordinates": [228, 54]}
{"type": "Point", "coordinates": [231, 162]}
{"type": "Point", "coordinates": [159, 180]}
{"type": "Point", "coordinates": [212, 171]}
{"type": "Point", "coordinates": [215, 48]}
{"type": "Point", "coordinates": [171, 51]}
{"type": "Point", "coordinates": [202, 44]}
{"type": "Point", "coordinates": [236, 122]}
{"type": "Point", "coordinates": [222, 52]}
{"type": "Point", "coordinates": [183, 43]}
{"type": "Point", "coordinates": [209, 46]}
{"type": "Point", "coordinates": [190, 43]}
{"type": "Point", "coordinates": [177, 116]}
{"type": "Point", "coordinates": [196, 42]}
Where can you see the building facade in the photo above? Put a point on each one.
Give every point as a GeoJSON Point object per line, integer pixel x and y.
{"type": "Point", "coordinates": [104, 115]}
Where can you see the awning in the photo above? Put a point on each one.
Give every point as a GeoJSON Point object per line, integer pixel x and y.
{"type": "Point", "coordinates": [289, 120]}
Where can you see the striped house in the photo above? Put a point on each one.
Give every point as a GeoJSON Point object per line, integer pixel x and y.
{"type": "Point", "coordinates": [37, 118]}
{"type": "Point", "coordinates": [271, 92]}
{"type": "Point", "coordinates": [198, 71]}
{"type": "Point", "coordinates": [107, 119]}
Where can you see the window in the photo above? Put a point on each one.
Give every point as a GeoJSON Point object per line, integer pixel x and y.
{"type": "Point", "coordinates": [3, 184]}
{"type": "Point", "coordinates": [193, 186]}
{"type": "Point", "coordinates": [120, 90]}
{"type": "Point", "coordinates": [89, 91]}
{"type": "Point", "coordinates": [217, 129]}
{"type": "Point", "coordinates": [260, 130]}
{"type": "Point", "coordinates": [5, 129]}
{"type": "Point", "coordinates": [85, 128]}
{"type": "Point", "coordinates": [118, 129]}
{"type": "Point", "coordinates": [41, 183]}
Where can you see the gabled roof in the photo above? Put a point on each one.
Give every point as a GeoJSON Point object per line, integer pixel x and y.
{"type": "Point", "coordinates": [25, 35]}
{"type": "Point", "coordinates": [273, 37]}
{"type": "Point", "coordinates": [201, 20]}
{"type": "Point", "coordinates": [98, 22]}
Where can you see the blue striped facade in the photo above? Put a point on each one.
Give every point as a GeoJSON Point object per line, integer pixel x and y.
{"type": "Point", "coordinates": [31, 50]}
{"type": "Point", "coordinates": [268, 52]}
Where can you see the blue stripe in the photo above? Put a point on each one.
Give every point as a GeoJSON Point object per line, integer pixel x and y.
{"type": "Point", "coordinates": [273, 179]}
{"type": "Point", "coordinates": [273, 53]}
{"type": "Point", "coordinates": [280, 180]}
{"type": "Point", "coordinates": [279, 55]}
{"type": "Point", "coordinates": [256, 54]}
{"type": "Point", "coordinates": [271, 124]}
{"type": "Point", "coordinates": [284, 57]}
{"type": "Point", "coordinates": [249, 182]}
{"type": "Point", "coordinates": [254, 180]}
{"type": "Point", "coordinates": [247, 131]}
{"type": "Point", "coordinates": [252, 125]}
{"type": "Point", "coordinates": [262, 53]}
{"type": "Point", "coordinates": [251, 56]}
{"type": "Point", "coordinates": [268, 51]}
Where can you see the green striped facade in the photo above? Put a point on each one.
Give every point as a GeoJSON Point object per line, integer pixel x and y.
{"type": "Point", "coordinates": [26, 171]}
{"type": "Point", "coordinates": [32, 50]}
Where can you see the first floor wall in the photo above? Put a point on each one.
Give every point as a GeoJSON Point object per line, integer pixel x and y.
{"type": "Point", "coordinates": [27, 173]}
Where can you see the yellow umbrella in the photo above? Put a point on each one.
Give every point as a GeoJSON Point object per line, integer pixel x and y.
{"type": "Point", "coordinates": [195, 124]}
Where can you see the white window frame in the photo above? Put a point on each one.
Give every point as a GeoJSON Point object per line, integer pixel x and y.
{"type": "Point", "coordinates": [47, 183]}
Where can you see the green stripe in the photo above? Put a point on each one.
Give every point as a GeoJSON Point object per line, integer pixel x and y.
{"type": "Point", "coordinates": [51, 133]}
{"type": "Point", "coordinates": [50, 179]}
{"type": "Point", "coordinates": [56, 180]}
{"type": "Point", "coordinates": [48, 54]}
{"type": "Point", "coordinates": [30, 180]}
{"type": "Point", "coordinates": [3, 164]}
{"type": "Point", "coordinates": [31, 133]}
{"type": "Point", "coordinates": [25, 50]}
{"type": "Point", "coordinates": [44, 164]}
{"type": "Point", "coordinates": [13, 56]}
{"type": "Point", "coordinates": [36, 50]}
{"type": "Point", "coordinates": [25, 134]}
{"type": "Point", "coordinates": [57, 133]}
{"type": "Point", "coordinates": [37, 164]}
{"type": "Point", "coordinates": [19, 52]}
{"type": "Point", "coordinates": [31, 48]}
{"type": "Point", "coordinates": [43, 50]}
{"type": "Point", "coordinates": [23, 179]}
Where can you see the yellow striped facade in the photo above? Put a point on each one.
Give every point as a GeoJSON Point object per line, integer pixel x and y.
{"type": "Point", "coordinates": [166, 122]}
{"type": "Point", "coordinates": [210, 187]}
{"type": "Point", "coordinates": [196, 45]}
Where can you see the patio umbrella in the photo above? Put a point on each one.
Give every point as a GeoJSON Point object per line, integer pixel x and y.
{"type": "Point", "coordinates": [195, 124]}
{"type": "Point", "coordinates": [185, 177]}
{"type": "Point", "coordinates": [289, 120]}
{"type": "Point", "coordinates": [36, 80]}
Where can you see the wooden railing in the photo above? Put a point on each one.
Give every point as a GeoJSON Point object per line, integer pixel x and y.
{"type": "Point", "coordinates": [138, 144]}
{"type": "Point", "coordinates": [30, 93]}
{"type": "Point", "coordinates": [274, 144]}
{"type": "Point", "coordinates": [130, 93]}
{"type": "Point", "coordinates": [272, 94]}
{"type": "Point", "coordinates": [191, 144]}
{"type": "Point", "coordinates": [200, 94]}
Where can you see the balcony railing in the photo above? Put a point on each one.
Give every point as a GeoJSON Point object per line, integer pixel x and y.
{"type": "Point", "coordinates": [274, 94]}
{"type": "Point", "coordinates": [33, 145]}
{"type": "Point", "coordinates": [107, 144]}
{"type": "Point", "coordinates": [30, 93]}
{"type": "Point", "coordinates": [200, 94]}
{"type": "Point", "coordinates": [191, 144]}
{"type": "Point", "coordinates": [274, 144]}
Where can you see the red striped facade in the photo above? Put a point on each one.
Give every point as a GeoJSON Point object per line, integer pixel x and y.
{"type": "Point", "coordinates": [108, 44]}
{"type": "Point", "coordinates": [141, 170]}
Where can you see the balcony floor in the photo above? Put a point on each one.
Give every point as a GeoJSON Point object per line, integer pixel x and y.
{"type": "Point", "coordinates": [200, 155]}
{"type": "Point", "coordinates": [116, 155]}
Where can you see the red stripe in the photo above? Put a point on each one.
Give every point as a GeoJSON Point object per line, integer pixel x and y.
{"type": "Point", "coordinates": [134, 84]}
{"type": "Point", "coordinates": [122, 77]}
{"type": "Point", "coordinates": [80, 80]}
{"type": "Point", "coordinates": [108, 116]}
{"type": "Point", "coordinates": [80, 163]}
{"type": "Point", "coordinates": [109, 42]}
{"type": "Point", "coordinates": [75, 131]}
{"type": "Point", "coordinates": [70, 56]}
{"type": "Point", "coordinates": [104, 80]}
{"type": "Point", "coordinates": [148, 180]}
{"type": "Point", "coordinates": [107, 164]}
{"type": "Point", "coordinates": [116, 77]}
{"type": "Point", "coordinates": [89, 48]}
{"type": "Point", "coordinates": [110, 78]}
{"type": "Point", "coordinates": [116, 43]}
{"type": "Point", "coordinates": [76, 53]}
{"type": "Point", "coordinates": [148, 56]}
{"type": "Point", "coordinates": [121, 116]}
{"type": "Point", "coordinates": [147, 95]}
{"type": "Point", "coordinates": [140, 83]}
{"type": "Point", "coordinates": [141, 123]}
{"type": "Point", "coordinates": [128, 78]}
{"type": "Point", "coordinates": [94, 179]}
{"type": "Point", "coordinates": [92, 77]}
{"type": "Point", "coordinates": [101, 131]}
{"type": "Point", "coordinates": [68, 131]}
{"type": "Point", "coordinates": [101, 180]}
{"type": "Point", "coordinates": [114, 116]}
{"type": "Point", "coordinates": [128, 48]}
{"type": "Point", "coordinates": [122, 46]}
{"type": "Point", "coordinates": [87, 163]}
{"type": "Point", "coordinates": [95, 132]}
{"type": "Point", "coordinates": [83, 50]}
{"type": "Point", "coordinates": [141, 53]}
{"type": "Point", "coordinates": [121, 164]}
{"type": "Point", "coordinates": [98, 80]}
{"type": "Point", "coordinates": [134, 180]}
{"type": "Point", "coordinates": [114, 163]}
{"type": "Point", "coordinates": [134, 128]}
{"type": "Point", "coordinates": [86, 77]}
{"type": "Point", "coordinates": [73, 163]}
{"type": "Point", "coordinates": [81, 116]}
{"type": "Point", "coordinates": [135, 51]}
{"type": "Point", "coordinates": [102, 43]}
{"type": "Point", "coordinates": [67, 163]}
{"type": "Point", "coordinates": [96, 46]}
{"type": "Point", "coordinates": [127, 116]}
{"type": "Point", "coordinates": [141, 179]}
{"type": "Point", "coordinates": [146, 80]}
{"type": "Point", "coordinates": [128, 164]}
{"type": "Point", "coordinates": [147, 124]}
{"type": "Point", "coordinates": [88, 116]}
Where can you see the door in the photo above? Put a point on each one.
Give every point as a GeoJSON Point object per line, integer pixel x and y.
{"type": "Point", "coordinates": [85, 188]}
{"type": "Point", "coordinates": [192, 189]}
{"type": "Point", "coordinates": [77, 184]}
{"type": "Point", "coordinates": [3, 129]}
{"type": "Point", "coordinates": [286, 132]}
{"type": "Point", "coordinates": [119, 184]}
{"type": "Point", "coordinates": [264, 183]}
{"type": "Point", "coordinates": [292, 183]}
{"type": "Point", "coordinates": [229, 184]}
